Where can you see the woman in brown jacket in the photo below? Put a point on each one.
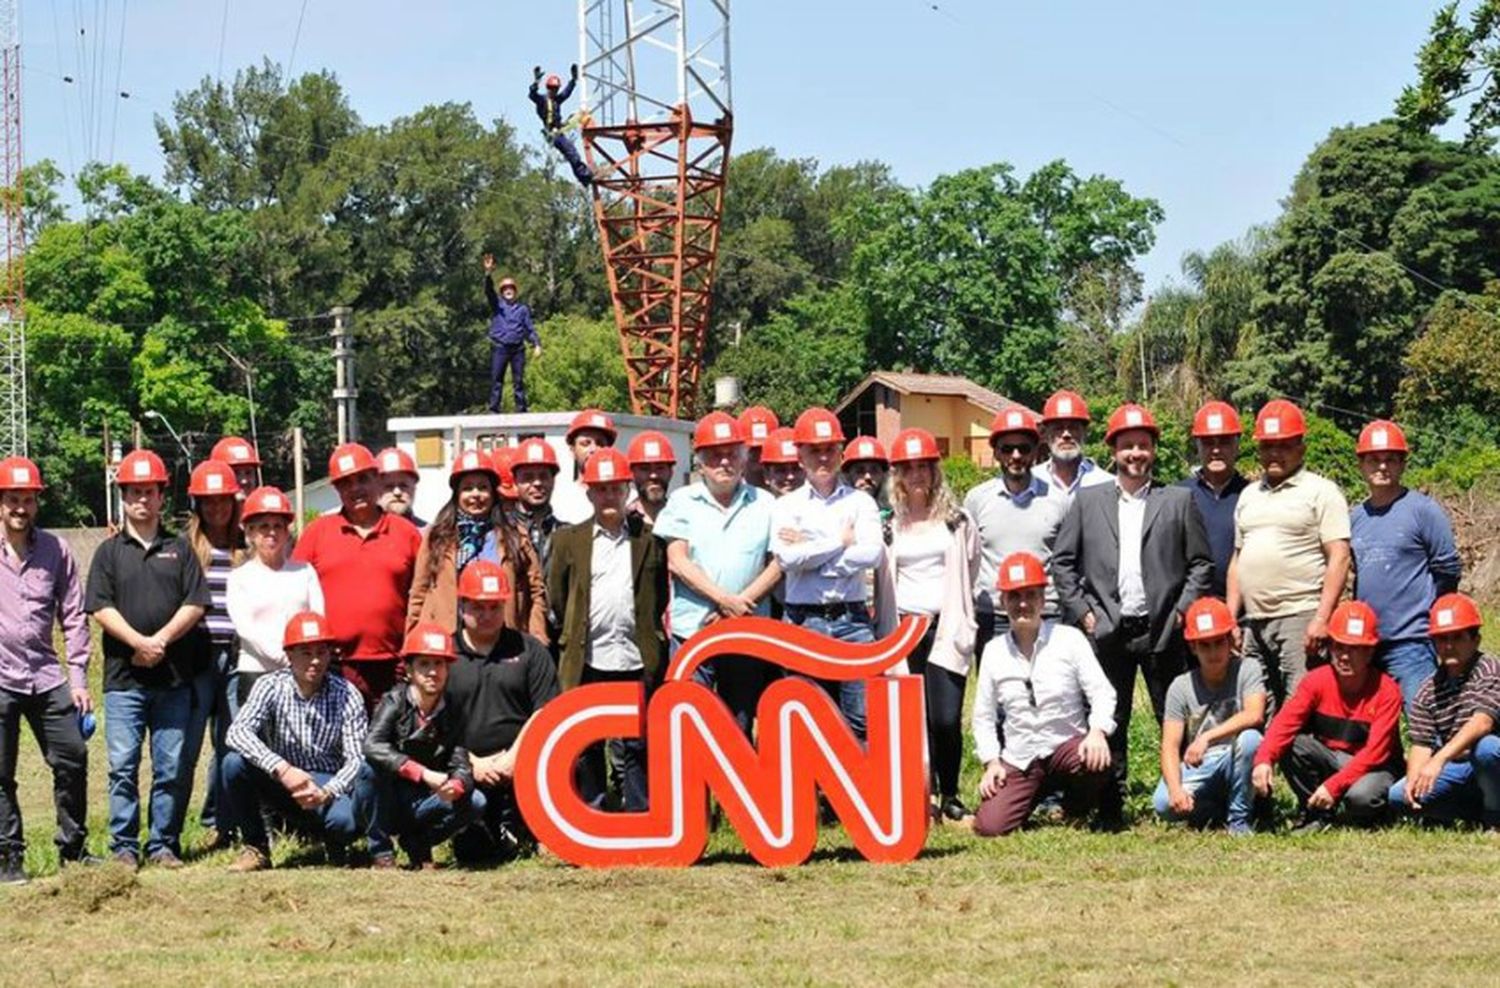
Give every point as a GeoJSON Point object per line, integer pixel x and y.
{"type": "Point", "coordinates": [470, 526]}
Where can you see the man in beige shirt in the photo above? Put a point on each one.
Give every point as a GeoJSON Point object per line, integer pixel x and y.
{"type": "Point", "coordinates": [1291, 552]}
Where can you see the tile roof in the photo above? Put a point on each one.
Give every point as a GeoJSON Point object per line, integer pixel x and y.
{"type": "Point", "coordinates": [929, 384]}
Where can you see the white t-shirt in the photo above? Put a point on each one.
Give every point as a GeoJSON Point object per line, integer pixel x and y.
{"type": "Point", "coordinates": [261, 601]}
{"type": "Point", "coordinates": [920, 553]}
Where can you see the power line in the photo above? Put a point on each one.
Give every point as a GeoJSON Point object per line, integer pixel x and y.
{"type": "Point", "coordinates": [296, 39]}
{"type": "Point", "coordinates": [119, 73]}
{"type": "Point", "coordinates": [223, 31]}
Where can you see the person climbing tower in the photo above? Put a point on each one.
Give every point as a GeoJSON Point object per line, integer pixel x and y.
{"type": "Point", "coordinates": [549, 109]}
{"type": "Point", "coordinates": [511, 329]}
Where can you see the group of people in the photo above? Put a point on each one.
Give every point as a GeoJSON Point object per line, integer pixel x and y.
{"type": "Point", "coordinates": [368, 679]}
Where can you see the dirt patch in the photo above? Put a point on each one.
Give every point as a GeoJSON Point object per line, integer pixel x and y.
{"type": "Point", "coordinates": [1476, 526]}
{"type": "Point", "coordinates": [88, 889]}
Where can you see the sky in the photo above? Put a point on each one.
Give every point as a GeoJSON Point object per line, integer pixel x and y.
{"type": "Point", "coordinates": [1208, 107]}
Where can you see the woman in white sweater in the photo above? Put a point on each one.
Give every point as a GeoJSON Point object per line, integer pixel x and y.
{"type": "Point", "coordinates": [929, 570]}
{"type": "Point", "coordinates": [268, 587]}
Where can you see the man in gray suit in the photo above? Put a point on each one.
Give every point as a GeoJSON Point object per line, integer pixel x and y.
{"type": "Point", "coordinates": [1129, 559]}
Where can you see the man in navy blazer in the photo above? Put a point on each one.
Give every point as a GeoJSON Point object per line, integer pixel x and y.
{"type": "Point", "coordinates": [1129, 559]}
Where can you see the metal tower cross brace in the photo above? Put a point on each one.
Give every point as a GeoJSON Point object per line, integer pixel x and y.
{"type": "Point", "coordinates": [657, 124]}
{"type": "Point", "coordinates": [12, 281]}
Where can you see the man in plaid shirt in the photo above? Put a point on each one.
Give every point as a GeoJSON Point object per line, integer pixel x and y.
{"type": "Point", "coordinates": [298, 753]}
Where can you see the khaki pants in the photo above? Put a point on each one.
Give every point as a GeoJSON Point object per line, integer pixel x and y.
{"type": "Point", "coordinates": [1276, 643]}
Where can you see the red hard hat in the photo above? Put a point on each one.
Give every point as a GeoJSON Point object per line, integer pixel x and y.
{"type": "Point", "coordinates": [718, 429]}
{"type": "Point", "coordinates": [817, 425]}
{"type": "Point", "coordinates": [1216, 418]}
{"type": "Point", "coordinates": [1279, 419]}
{"type": "Point", "coordinates": [307, 628]}
{"type": "Point", "coordinates": [141, 466]}
{"type": "Point", "coordinates": [266, 501]}
{"type": "Point", "coordinates": [591, 418]}
{"type": "Point", "coordinates": [1354, 623]}
{"type": "Point", "coordinates": [348, 460]}
{"type": "Point", "coordinates": [1453, 612]}
{"type": "Point", "coordinates": [1207, 617]}
{"type": "Point", "coordinates": [553, 82]}
{"type": "Point", "coordinates": [535, 452]}
{"type": "Point", "coordinates": [1065, 406]}
{"type": "Point", "coordinates": [1381, 436]}
{"type": "Point", "coordinates": [484, 581]}
{"type": "Point", "coordinates": [17, 473]}
{"type": "Point", "coordinates": [213, 478]}
{"type": "Point", "coordinates": [431, 639]}
{"type": "Point", "coordinates": [393, 460]}
{"type": "Point", "coordinates": [757, 422]}
{"type": "Point", "coordinates": [1130, 416]}
{"type": "Point", "coordinates": [1013, 419]}
{"type": "Point", "coordinates": [1020, 570]}
{"type": "Point", "coordinates": [780, 447]}
{"type": "Point", "coordinates": [235, 451]}
{"type": "Point", "coordinates": [503, 457]}
{"type": "Point", "coordinates": [865, 448]}
{"type": "Point", "coordinates": [651, 447]}
{"type": "Point", "coordinates": [607, 466]}
{"type": "Point", "coordinates": [913, 446]}
{"type": "Point", "coordinates": [472, 461]}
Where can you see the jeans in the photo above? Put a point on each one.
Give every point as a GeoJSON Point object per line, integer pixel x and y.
{"type": "Point", "coordinates": [512, 356]}
{"type": "Point", "coordinates": [414, 813]}
{"type": "Point", "coordinates": [851, 626]}
{"type": "Point", "coordinates": [252, 797]}
{"type": "Point", "coordinates": [1410, 663]}
{"type": "Point", "coordinates": [54, 723]}
{"type": "Point", "coordinates": [569, 150]}
{"type": "Point", "coordinates": [628, 755]}
{"type": "Point", "coordinates": [215, 702]}
{"type": "Point", "coordinates": [1220, 786]}
{"type": "Point", "coordinates": [737, 679]}
{"type": "Point", "coordinates": [1464, 790]}
{"type": "Point", "coordinates": [129, 716]}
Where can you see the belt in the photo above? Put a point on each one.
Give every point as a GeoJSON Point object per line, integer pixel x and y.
{"type": "Point", "coordinates": [839, 609]}
{"type": "Point", "coordinates": [1139, 622]}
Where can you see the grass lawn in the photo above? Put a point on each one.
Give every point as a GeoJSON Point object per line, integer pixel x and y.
{"type": "Point", "coordinates": [1053, 905]}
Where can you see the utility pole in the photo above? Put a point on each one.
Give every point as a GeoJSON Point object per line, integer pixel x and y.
{"type": "Point", "coordinates": [249, 373]}
{"type": "Point", "coordinates": [12, 281]}
{"type": "Point", "coordinates": [344, 391]}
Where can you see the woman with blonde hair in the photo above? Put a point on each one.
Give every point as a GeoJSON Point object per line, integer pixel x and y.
{"type": "Point", "coordinates": [931, 560]}
{"type": "Point", "coordinates": [213, 531]}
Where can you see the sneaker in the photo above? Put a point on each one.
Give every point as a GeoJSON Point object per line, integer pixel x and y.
{"type": "Point", "coordinates": [1240, 830]}
{"type": "Point", "coordinates": [166, 859]}
{"type": "Point", "coordinates": [384, 860]}
{"type": "Point", "coordinates": [1311, 825]}
{"type": "Point", "coordinates": [954, 811]}
{"type": "Point", "coordinates": [250, 859]}
{"type": "Point", "coordinates": [12, 871]}
{"type": "Point", "coordinates": [126, 858]}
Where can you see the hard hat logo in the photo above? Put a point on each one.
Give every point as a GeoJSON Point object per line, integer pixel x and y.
{"type": "Point", "coordinates": [759, 430]}
{"type": "Point", "coordinates": [435, 642]}
{"type": "Point", "coordinates": [20, 475]}
{"type": "Point", "coordinates": [1018, 573]}
{"type": "Point", "coordinates": [1065, 406]}
{"type": "Point", "coordinates": [722, 430]}
{"type": "Point", "coordinates": [142, 469]}
{"type": "Point", "coordinates": [1205, 622]}
{"type": "Point", "coordinates": [1273, 427]}
{"type": "Point", "coordinates": [654, 449]}
{"type": "Point", "coordinates": [1215, 421]}
{"type": "Point", "coordinates": [214, 482]}
{"type": "Point", "coordinates": [822, 429]}
{"type": "Point", "coordinates": [607, 471]}
{"type": "Point", "coordinates": [1355, 626]}
{"type": "Point", "coordinates": [1380, 438]}
{"type": "Point", "coordinates": [310, 629]}
{"type": "Point", "coordinates": [1445, 617]}
{"type": "Point", "coordinates": [390, 463]}
{"type": "Point", "coordinates": [1132, 417]}
{"type": "Point", "coordinates": [346, 462]}
{"type": "Point", "coordinates": [490, 584]}
{"type": "Point", "coordinates": [533, 454]}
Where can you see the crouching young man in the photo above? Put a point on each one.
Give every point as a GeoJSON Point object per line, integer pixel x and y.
{"type": "Point", "coordinates": [298, 753]}
{"type": "Point", "coordinates": [1453, 771]}
{"type": "Point", "coordinates": [1337, 738]}
{"type": "Point", "coordinates": [424, 785]}
{"type": "Point", "coordinates": [1211, 730]}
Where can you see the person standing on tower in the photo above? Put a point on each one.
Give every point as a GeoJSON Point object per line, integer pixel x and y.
{"type": "Point", "coordinates": [549, 109]}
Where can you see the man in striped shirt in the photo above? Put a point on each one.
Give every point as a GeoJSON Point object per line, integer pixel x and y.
{"type": "Point", "coordinates": [1453, 770]}
{"type": "Point", "coordinates": [298, 752]}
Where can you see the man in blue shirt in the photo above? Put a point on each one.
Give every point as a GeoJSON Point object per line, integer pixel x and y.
{"type": "Point", "coordinates": [510, 330]}
{"type": "Point", "coordinates": [1216, 484]}
{"type": "Point", "coordinates": [1404, 558]}
{"type": "Point", "coordinates": [718, 536]}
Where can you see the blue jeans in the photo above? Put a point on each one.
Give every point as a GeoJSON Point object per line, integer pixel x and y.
{"type": "Point", "coordinates": [215, 702]}
{"type": "Point", "coordinates": [1464, 790]}
{"type": "Point", "coordinates": [627, 755]}
{"type": "Point", "coordinates": [252, 796]}
{"type": "Point", "coordinates": [414, 813]}
{"type": "Point", "coordinates": [1410, 663]}
{"type": "Point", "coordinates": [1220, 786]}
{"type": "Point", "coordinates": [129, 715]}
{"type": "Point", "coordinates": [738, 680]}
{"type": "Point", "coordinates": [851, 626]}
{"type": "Point", "coordinates": [512, 357]}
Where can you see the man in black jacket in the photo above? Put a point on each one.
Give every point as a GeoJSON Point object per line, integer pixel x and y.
{"type": "Point", "coordinates": [1129, 559]}
{"type": "Point", "coordinates": [424, 785]}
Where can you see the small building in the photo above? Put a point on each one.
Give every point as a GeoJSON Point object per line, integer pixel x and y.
{"type": "Point", "coordinates": [955, 410]}
{"type": "Point", "coordinates": [433, 441]}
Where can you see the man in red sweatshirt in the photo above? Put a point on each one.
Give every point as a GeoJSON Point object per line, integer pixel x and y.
{"type": "Point", "coordinates": [1337, 737]}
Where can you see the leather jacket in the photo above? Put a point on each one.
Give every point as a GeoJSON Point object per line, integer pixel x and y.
{"type": "Point", "coordinates": [399, 744]}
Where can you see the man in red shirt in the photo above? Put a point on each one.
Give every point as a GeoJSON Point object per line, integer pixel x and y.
{"type": "Point", "coordinates": [364, 558]}
{"type": "Point", "coordinates": [1337, 738]}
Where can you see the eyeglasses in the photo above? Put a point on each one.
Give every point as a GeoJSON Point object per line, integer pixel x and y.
{"type": "Point", "coordinates": [1023, 448]}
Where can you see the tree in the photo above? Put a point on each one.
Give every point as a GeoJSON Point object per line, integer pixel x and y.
{"type": "Point", "coordinates": [1447, 64]}
{"type": "Point", "coordinates": [580, 366]}
{"type": "Point", "coordinates": [1451, 388]}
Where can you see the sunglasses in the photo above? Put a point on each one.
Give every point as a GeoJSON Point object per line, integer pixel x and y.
{"type": "Point", "coordinates": [1008, 448]}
